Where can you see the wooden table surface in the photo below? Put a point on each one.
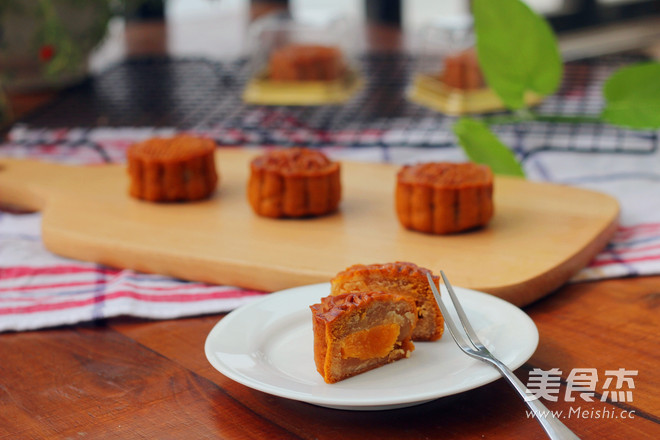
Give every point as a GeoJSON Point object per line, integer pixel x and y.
{"type": "Point", "coordinates": [129, 378]}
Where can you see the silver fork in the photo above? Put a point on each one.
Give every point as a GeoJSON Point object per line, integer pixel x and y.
{"type": "Point", "coordinates": [472, 346]}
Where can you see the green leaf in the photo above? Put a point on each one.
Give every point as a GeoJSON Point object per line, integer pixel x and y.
{"type": "Point", "coordinates": [482, 146]}
{"type": "Point", "coordinates": [517, 50]}
{"type": "Point", "coordinates": [632, 96]}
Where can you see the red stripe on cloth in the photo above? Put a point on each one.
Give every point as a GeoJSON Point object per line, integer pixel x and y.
{"type": "Point", "coordinates": [636, 249]}
{"type": "Point", "coordinates": [27, 271]}
{"type": "Point", "coordinates": [181, 298]}
{"type": "Point", "coordinates": [624, 233]}
{"type": "Point", "coordinates": [95, 283]}
{"type": "Point", "coordinates": [597, 263]}
{"type": "Point", "coordinates": [181, 287]}
{"type": "Point", "coordinates": [655, 225]}
{"type": "Point", "coordinates": [48, 286]}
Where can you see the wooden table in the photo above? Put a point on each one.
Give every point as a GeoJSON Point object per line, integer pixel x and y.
{"type": "Point", "coordinates": [128, 378]}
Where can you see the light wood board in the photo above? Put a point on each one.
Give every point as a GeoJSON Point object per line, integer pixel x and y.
{"type": "Point", "coordinates": [540, 236]}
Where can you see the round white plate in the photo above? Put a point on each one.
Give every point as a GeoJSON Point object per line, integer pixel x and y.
{"type": "Point", "coordinates": [268, 345]}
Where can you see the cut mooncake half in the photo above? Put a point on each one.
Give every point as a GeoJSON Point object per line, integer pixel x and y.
{"type": "Point", "coordinates": [358, 332]}
{"type": "Point", "coordinates": [400, 278]}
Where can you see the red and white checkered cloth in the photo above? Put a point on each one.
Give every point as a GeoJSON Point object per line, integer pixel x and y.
{"type": "Point", "coordinates": [39, 289]}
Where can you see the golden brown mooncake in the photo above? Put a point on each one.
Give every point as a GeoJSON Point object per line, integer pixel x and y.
{"type": "Point", "coordinates": [358, 332]}
{"type": "Point", "coordinates": [294, 182]}
{"type": "Point", "coordinates": [306, 63]}
{"type": "Point", "coordinates": [402, 278]}
{"type": "Point", "coordinates": [179, 168]}
{"type": "Point", "coordinates": [462, 71]}
{"type": "Point", "coordinates": [444, 197]}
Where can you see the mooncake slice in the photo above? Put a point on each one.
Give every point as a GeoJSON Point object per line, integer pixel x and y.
{"type": "Point", "coordinates": [357, 332]}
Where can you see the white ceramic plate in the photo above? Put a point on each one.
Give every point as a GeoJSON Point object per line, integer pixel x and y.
{"type": "Point", "coordinates": [268, 345]}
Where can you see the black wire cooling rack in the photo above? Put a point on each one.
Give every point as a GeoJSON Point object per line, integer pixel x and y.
{"type": "Point", "coordinates": [197, 94]}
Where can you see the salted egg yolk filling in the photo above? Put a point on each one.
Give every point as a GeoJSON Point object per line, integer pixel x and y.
{"type": "Point", "coordinates": [375, 342]}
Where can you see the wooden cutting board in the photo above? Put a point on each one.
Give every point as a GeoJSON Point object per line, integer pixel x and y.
{"type": "Point", "coordinates": [540, 236]}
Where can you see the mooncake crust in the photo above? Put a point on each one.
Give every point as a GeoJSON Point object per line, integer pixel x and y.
{"type": "Point", "coordinates": [403, 278]}
{"type": "Point", "coordinates": [331, 307]}
{"type": "Point", "coordinates": [461, 71]}
{"type": "Point", "coordinates": [174, 169]}
{"type": "Point", "coordinates": [299, 62]}
{"type": "Point", "coordinates": [294, 182]}
{"type": "Point", "coordinates": [444, 197]}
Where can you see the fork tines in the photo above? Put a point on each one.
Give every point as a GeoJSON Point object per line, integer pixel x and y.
{"type": "Point", "coordinates": [472, 342]}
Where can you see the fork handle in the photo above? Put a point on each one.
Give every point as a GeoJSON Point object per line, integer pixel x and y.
{"type": "Point", "coordinates": [555, 429]}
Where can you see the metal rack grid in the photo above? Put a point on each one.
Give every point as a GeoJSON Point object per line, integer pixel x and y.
{"type": "Point", "coordinates": [199, 95]}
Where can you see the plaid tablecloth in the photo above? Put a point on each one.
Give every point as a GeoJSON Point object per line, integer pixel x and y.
{"type": "Point", "coordinates": [39, 289]}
